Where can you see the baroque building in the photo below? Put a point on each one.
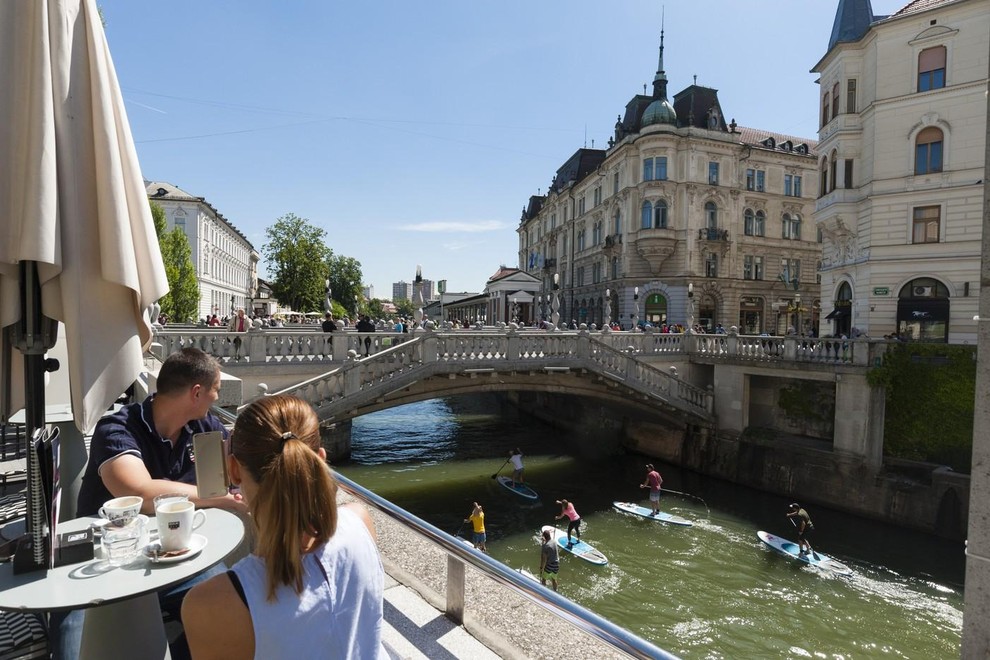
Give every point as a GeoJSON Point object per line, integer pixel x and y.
{"type": "Point", "coordinates": [901, 166]}
{"type": "Point", "coordinates": [681, 207]}
{"type": "Point", "coordinates": [226, 263]}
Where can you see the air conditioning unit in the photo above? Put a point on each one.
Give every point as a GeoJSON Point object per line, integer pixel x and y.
{"type": "Point", "coordinates": [924, 291]}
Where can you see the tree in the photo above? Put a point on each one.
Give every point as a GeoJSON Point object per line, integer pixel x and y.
{"type": "Point", "coordinates": [345, 281]}
{"type": "Point", "coordinates": [181, 303]}
{"type": "Point", "coordinates": [296, 257]}
{"type": "Point", "coordinates": [405, 308]}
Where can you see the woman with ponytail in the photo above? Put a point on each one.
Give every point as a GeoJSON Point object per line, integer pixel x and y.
{"type": "Point", "coordinates": [313, 585]}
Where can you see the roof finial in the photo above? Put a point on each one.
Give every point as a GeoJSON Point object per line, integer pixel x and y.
{"type": "Point", "coordinates": [660, 80]}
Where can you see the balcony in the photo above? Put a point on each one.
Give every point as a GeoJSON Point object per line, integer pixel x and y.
{"type": "Point", "coordinates": [549, 263]}
{"type": "Point", "coordinates": [612, 241]}
{"type": "Point", "coordinates": [713, 234]}
{"type": "Point", "coordinates": [655, 246]}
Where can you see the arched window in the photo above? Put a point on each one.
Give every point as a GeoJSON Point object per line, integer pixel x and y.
{"type": "Point", "coordinates": [617, 226]}
{"type": "Point", "coordinates": [928, 151]}
{"type": "Point", "coordinates": [790, 227]}
{"type": "Point", "coordinates": [833, 167]}
{"type": "Point", "coordinates": [646, 219]}
{"type": "Point", "coordinates": [660, 215]}
{"type": "Point", "coordinates": [711, 215]}
{"type": "Point", "coordinates": [749, 219]}
{"type": "Point", "coordinates": [761, 224]}
{"type": "Point", "coordinates": [823, 183]}
{"type": "Point", "coordinates": [931, 69]}
{"type": "Point", "coordinates": [835, 100]}
{"type": "Point", "coordinates": [825, 107]}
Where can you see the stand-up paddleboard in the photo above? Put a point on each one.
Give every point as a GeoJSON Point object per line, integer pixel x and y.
{"type": "Point", "coordinates": [792, 550]}
{"type": "Point", "coordinates": [643, 512]}
{"type": "Point", "coordinates": [578, 549]}
{"type": "Point", "coordinates": [522, 490]}
{"type": "Point", "coordinates": [525, 573]}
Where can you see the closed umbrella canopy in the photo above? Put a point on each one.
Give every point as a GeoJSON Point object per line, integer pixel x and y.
{"type": "Point", "coordinates": [72, 199]}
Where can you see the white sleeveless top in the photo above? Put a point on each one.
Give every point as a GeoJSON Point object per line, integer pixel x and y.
{"type": "Point", "coordinates": [338, 614]}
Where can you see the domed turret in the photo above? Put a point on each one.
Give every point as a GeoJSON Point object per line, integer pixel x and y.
{"type": "Point", "coordinates": [660, 111]}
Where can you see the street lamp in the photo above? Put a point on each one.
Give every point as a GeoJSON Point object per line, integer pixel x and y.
{"type": "Point", "coordinates": [232, 310]}
{"type": "Point", "coordinates": [797, 310]}
{"type": "Point", "coordinates": [515, 310]}
{"type": "Point", "coordinates": [555, 305]}
{"type": "Point", "coordinates": [328, 303]}
{"type": "Point", "coordinates": [418, 314]}
{"type": "Point", "coordinates": [690, 314]}
{"type": "Point", "coordinates": [608, 308]}
{"type": "Point", "coordinates": [635, 308]}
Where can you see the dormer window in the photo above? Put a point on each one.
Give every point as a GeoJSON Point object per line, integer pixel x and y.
{"type": "Point", "coordinates": [770, 143]}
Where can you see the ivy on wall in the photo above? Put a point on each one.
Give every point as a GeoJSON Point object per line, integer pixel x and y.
{"type": "Point", "coordinates": [929, 405]}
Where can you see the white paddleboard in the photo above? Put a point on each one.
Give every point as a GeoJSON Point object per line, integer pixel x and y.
{"type": "Point", "coordinates": [643, 512]}
{"type": "Point", "coordinates": [522, 490]}
{"type": "Point", "coordinates": [792, 550]}
{"type": "Point", "coordinates": [578, 548]}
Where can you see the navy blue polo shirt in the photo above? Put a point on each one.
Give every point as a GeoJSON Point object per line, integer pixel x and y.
{"type": "Point", "coordinates": [131, 430]}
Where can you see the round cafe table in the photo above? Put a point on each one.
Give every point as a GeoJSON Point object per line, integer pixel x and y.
{"type": "Point", "coordinates": [123, 618]}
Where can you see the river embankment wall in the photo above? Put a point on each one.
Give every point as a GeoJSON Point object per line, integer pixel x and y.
{"type": "Point", "coordinates": [920, 496]}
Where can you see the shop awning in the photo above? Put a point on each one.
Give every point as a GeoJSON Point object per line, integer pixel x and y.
{"type": "Point", "coordinates": [837, 313]}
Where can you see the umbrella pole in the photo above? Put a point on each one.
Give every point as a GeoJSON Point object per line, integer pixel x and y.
{"type": "Point", "coordinates": [32, 336]}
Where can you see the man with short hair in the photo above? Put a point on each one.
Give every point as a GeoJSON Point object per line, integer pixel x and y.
{"type": "Point", "coordinates": [653, 482]}
{"type": "Point", "coordinates": [802, 521]}
{"type": "Point", "coordinates": [328, 324]}
{"type": "Point", "coordinates": [146, 448]}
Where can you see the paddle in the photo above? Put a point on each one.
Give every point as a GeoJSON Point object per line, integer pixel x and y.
{"type": "Point", "coordinates": [500, 469]}
{"type": "Point", "coordinates": [677, 492]}
{"type": "Point", "coordinates": [813, 553]}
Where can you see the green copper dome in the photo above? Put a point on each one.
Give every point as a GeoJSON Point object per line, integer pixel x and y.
{"type": "Point", "coordinates": [659, 112]}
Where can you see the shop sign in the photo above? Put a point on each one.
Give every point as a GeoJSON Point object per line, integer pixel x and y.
{"type": "Point", "coordinates": [881, 291]}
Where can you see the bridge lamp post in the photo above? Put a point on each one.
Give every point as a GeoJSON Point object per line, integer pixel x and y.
{"type": "Point", "coordinates": [515, 311]}
{"type": "Point", "coordinates": [418, 314]}
{"type": "Point", "coordinates": [797, 310]}
{"type": "Point", "coordinates": [608, 308]}
{"type": "Point", "coordinates": [635, 314]}
{"type": "Point", "coordinates": [555, 305]}
{"type": "Point", "coordinates": [690, 314]}
{"type": "Point", "coordinates": [328, 304]}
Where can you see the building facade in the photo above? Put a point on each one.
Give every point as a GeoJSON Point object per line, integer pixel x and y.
{"type": "Point", "coordinates": [402, 291]}
{"type": "Point", "coordinates": [901, 164]}
{"type": "Point", "coordinates": [226, 262]}
{"type": "Point", "coordinates": [684, 219]}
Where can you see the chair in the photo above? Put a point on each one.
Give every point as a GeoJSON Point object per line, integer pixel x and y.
{"type": "Point", "coordinates": [13, 463]}
{"type": "Point", "coordinates": [22, 635]}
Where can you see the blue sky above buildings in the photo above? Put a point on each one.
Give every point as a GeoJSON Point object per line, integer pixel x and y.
{"type": "Point", "coordinates": [414, 133]}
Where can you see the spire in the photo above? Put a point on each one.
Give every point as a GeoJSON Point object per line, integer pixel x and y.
{"type": "Point", "coordinates": [660, 80]}
{"type": "Point", "coordinates": [852, 20]}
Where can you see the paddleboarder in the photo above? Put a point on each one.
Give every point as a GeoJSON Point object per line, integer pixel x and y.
{"type": "Point", "coordinates": [549, 560]}
{"type": "Point", "coordinates": [800, 519]}
{"type": "Point", "coordinates": [653, 482]}
{"type": "Point", "coordinates": [515, 455]}
{"type": "Point", "coordinates": [477, 520]}
{"type": "Point", "coordinates": [567, 509]}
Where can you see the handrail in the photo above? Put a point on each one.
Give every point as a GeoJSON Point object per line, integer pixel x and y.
{"type": "Point", "coordinates": [585, 620]}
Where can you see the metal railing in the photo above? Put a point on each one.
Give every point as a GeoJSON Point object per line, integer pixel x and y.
{"type": "Point", "coordinates": [459, 554]}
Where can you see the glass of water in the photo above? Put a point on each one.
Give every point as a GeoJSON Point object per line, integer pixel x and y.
{"type": "Point", "coordinates": [122, 544]}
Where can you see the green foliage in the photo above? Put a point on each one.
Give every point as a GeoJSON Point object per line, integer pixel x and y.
{"type": "Point", "coordinates": [405, 308]}
{"type": "Point", "coordinates": [345, 281]}
{"type": "Point", "coordinates": [181, 303]}
{"type": "Point", "coordinates": [930, 401]}
{"type": "Point", "coordinates": [296, 257]}
{"type": "Point", "coordinates": [375, 308]}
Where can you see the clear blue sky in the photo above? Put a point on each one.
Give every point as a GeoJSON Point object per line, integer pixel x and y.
{"type": "Point", "coordinates": [415, 132]}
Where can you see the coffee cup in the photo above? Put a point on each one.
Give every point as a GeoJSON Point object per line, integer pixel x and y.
{"type": "Point", "coordinates": [121, 510]}
{"type": "Point", "coordinates": [121, 543]}
{"type": "Point", "coordinates": [170, 497]}
{"type": "Point", "coordinates": [176, 521]}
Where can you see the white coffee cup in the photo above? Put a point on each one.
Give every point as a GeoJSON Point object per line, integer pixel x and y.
{"type": "Point", "coordinates": [121, 543]}
{"type": "Point", "coordinates": [176, 521]}
{"type": "Point", "coordinates": [121, 511]}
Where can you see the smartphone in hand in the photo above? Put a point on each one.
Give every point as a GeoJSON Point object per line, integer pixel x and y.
{"type": "Point", "coordinates": [211, 464]}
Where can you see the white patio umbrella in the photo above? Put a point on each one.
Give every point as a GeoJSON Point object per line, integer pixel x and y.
{"type": "Point", "coordinates": [72, 198]}
{"type": "Point", "coordinates": [73, 211]}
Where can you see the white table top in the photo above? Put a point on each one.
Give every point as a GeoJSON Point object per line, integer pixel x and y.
{"type": "Point", "coordinates": [94, 582]}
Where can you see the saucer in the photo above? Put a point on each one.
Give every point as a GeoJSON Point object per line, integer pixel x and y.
{"type": "Point", "coordinates": [196, 545]}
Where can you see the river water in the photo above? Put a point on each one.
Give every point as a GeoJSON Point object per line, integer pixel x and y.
{"type": "Point", "coordinates": [708, 591]}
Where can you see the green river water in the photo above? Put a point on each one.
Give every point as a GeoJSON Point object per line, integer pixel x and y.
{"type": "Point", "coordinates": [708, 591]}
